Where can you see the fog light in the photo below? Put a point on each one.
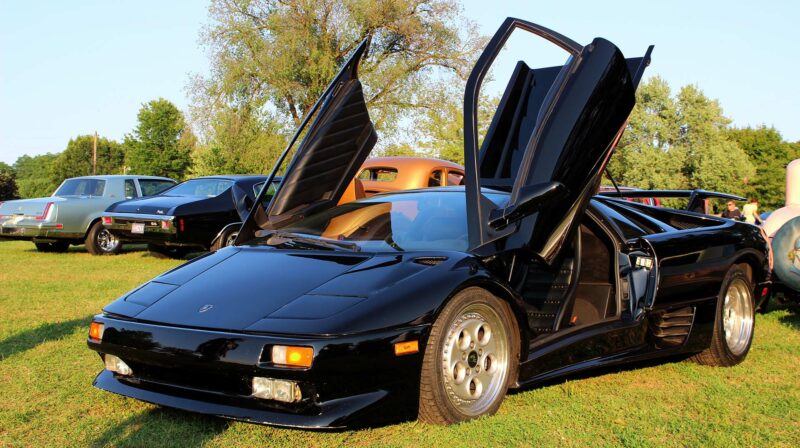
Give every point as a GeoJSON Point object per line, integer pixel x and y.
{"type": "Point", "coordinates": [272, 389]}
{"type": "Point", "coordinates": [117, 365]}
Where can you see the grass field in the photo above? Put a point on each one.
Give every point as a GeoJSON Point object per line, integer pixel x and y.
{"type": "Point", "coordinates": [46, 372]}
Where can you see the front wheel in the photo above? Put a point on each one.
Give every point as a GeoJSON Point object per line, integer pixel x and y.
{"type": "Point", "coordinates": [99, 241]}
{"type": "Point", "coordinates": [733, 326]}
{"type": "Point", "coordinates": [471, 357]}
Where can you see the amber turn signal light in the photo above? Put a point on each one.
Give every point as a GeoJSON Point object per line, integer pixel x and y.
{"type": "Point", "coordinates": [406, 348]}
{"type": "Point", "coordinates": [96, 331]}
{"type": "Point", "coordinates": [289, 355]}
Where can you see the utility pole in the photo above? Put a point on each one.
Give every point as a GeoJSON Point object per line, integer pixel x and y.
{"type": "Point", "coordinates": [94, 154]}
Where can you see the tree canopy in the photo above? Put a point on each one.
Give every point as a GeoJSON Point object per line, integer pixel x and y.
{"type": "Point", "coordinates": [679, 141]}
{"type": "Point", "coordinates": [162, 142]}
{"type": "Point", "coordinates": [76, 159]}
{"type": "Point", "coordinates": [8, 182]}
{"type": "Point", "coordinates": [34, 177]}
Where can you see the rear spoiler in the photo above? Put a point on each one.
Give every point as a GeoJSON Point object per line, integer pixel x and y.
{"type": "Point", "coordinates": [696, 197]}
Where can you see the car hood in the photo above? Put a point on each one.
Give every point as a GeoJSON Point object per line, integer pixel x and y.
{"type": "Point", "coordinates": [267, 290]}
{"type": "Point", "coordinates": [232, 288]}
{"type": "Point", "coordinates": [153, 205]}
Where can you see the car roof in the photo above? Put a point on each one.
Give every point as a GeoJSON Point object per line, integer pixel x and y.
{"type": "Point", "coordinates": [255, 177]}
{"type": "Point", "coordinates": [406, 162]}
{"type": "Point", "coordinates": [122, 176]}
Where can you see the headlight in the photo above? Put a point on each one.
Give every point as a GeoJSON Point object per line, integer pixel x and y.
{"type": "Point", "coordinates": [117, 365]}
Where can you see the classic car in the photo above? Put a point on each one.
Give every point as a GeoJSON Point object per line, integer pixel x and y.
{"type": "Point", "coordinates": [198, 214]}
{"type": "Point", "coordinates": [783, 229]}
{"type": "Point", "coordinates": [432, 303]}
{"type": "Point", "coordinates": [382, 174]}
{"type": "Point", "coordinates": [72, 214]}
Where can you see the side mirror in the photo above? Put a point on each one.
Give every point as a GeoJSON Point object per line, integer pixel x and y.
{"type": "Point", "coordinates": [531, 200]}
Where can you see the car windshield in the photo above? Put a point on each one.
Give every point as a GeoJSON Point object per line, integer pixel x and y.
{"type": "Point", "coordinates": [434, 220]}
{"type": "Point", "coordinates": [81, 187]}
{"type": "Point", "coordinates": [199, 187]}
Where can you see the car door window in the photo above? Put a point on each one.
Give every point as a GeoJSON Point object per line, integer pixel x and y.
{"type": "Point", "coordinates": [454, 177]}
{"type": "Point", "coordinates": [435, 179]}
{"type": "Point", "coordinates": [152, 187]}
{"type": "Point", "coordinates": [130, 189]}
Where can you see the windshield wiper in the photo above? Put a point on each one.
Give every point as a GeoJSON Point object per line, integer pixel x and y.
{"type": "Point", "coordinates": [284, 237]}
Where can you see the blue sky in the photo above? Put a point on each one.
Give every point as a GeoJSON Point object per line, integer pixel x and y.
{"type": "Point", "coordinates": [70, 68]}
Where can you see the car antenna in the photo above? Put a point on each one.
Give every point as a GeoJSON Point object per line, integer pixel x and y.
{"type": "Point", "coordinates": [608, 174]}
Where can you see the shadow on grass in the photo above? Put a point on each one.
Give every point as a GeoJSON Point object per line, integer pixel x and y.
{"type": "Point", "coordinates": [81, 249]}
{"type": "Point", "coordinates": [792, 319]}
{"type": "Point", "coordinates": [29, 339]}
{"type": "Point", "coordinates": [162, 427]}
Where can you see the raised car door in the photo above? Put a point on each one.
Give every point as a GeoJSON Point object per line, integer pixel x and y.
{"type": "Point", "coordinates": [334, 147]}
{"type": "Point", "coordinates": [548, 143]}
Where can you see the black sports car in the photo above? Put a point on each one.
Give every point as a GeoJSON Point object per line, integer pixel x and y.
{"type": "Point", "coordinates": [198, 214]}
{"type": "Point", "coordinates": [432, 303]}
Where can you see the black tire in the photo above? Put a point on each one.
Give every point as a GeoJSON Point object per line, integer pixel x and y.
{"type": "Point", "coordinates": [225, 238]}
{"type": "Point", "coordinates": [99, 241]}
{"type": "Point", "coordinates": [436, 398]}
{"type": "Point", "coordinates": [720, 353]}
{"type": "Point", "coordinates": [165, 252]}
{"type": "Point", "coordinates": [58, 246]}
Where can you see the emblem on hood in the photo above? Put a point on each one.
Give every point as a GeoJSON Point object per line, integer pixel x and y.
{"type": "Point", "coordinates": [205, 308]}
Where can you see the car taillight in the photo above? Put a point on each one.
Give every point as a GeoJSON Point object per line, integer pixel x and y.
{"type": "Point", "coordinates": [166, 225]}
{"type": "Point", "coordinates": [107, 220]}
{"type": "Point", "coordinates": [43, 216]}
{"type": "Point", "coordinates": [180, 224]}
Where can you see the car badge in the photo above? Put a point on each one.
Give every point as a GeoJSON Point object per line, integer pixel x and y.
{"type": "Point", "coordinates": [160, 212]}
{"type": "Point", "coordinates": [205, 308]}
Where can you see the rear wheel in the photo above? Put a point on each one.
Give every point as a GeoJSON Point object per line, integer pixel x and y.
{"type": "Point", "coordinates": [58, 246]}
{"type": "Point", "coordinates": [226, 238]}
{"type": "Point", "coordinates": [733, 326]}
{"type": "Point", "coordinates": [470, 359]}
{"type": "Point", "coordinates": [99, 241]}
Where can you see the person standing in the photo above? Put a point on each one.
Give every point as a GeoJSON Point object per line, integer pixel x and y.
{"type": "Point", "coordinates": [732, 211]}
{"type": "Point", "coordinates": [750, 212]}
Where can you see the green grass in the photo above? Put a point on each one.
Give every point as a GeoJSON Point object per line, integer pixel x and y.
{"type": "Point", "coordinates": [46, 372]}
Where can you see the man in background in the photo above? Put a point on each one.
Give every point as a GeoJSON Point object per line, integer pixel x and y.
{"type": "Point", "coordinates": [732, 211]}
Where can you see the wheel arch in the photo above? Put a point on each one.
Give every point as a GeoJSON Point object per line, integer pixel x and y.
{"type": "Point", "coordinates": [504, 293]}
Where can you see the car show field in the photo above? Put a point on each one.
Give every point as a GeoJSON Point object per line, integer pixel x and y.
{"type": "Point", "coordinates": [46, 372]}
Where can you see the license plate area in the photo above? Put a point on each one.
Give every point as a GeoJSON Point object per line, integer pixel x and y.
{"type": "Point", "coordinates": [137, 227]}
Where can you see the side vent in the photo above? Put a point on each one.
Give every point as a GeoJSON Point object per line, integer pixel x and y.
{"type": "Point", "coordinates": [672, 328]}
{"type": "Point", "coordinates": [430, 261]}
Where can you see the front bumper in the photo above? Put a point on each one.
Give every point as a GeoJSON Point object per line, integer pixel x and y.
{"type": "Point", "coordinates": [354, 380]}
{"type": "Point", "coordinates": [31, 229]}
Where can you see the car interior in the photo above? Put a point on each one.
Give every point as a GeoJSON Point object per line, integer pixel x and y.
{"type": "Point", "coordinates": [577, 291]}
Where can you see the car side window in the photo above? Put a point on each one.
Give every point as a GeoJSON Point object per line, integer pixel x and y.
{"type": "Point", "coordinates": [152, 187]}
{"type": "Point", "coordinates": [130, 189]}
{"type": "Point", "coordinates": [435, 179]}
{"type": "Point", "coordinates": [454, 177]}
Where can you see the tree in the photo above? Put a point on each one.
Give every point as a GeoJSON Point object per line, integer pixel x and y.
{"type": "Point", "coordinates": [8, 183]}
{"type": "Point", "coordinates": [679, 142]}
{"type": "Point", "coordinates": [76, 160]}
{"type": "Point", "coordinates": [244, 142]}
{"type": "Point", "coordinates": [34, 175]}
{"type": "Point", "coordinates": [162, 142]}
{"type": "Point", "coordinates": [277, 57]}
{"type": "Point", "coordinates": [770, 154]}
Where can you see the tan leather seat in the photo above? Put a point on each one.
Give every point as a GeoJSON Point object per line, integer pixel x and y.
{"type": "Point", "coordinates": [355, 190]}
